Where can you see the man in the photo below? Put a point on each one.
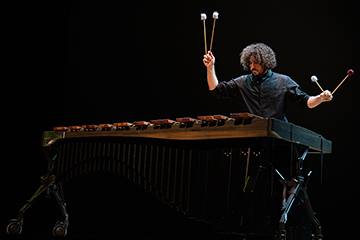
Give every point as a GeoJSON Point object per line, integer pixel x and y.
{"type": "Point", "coordinates": [262, 92]}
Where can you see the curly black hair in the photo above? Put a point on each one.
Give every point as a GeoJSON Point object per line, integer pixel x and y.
{"type": "Point", "coordinates": [262, 53]}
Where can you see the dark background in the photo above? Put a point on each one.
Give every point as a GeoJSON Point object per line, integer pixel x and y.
{"type": "Point", "coordinates": [91, 62]}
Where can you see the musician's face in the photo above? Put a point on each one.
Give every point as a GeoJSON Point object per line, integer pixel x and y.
{"type": "Point", "coordinates": [255, 67]}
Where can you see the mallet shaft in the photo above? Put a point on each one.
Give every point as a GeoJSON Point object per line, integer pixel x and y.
{"type": "Point", "coordinates": [340, 84]}
{"type": "Point", "coordinates": [205, 36]}
{"type": "Point", "coordinates": [212, 35]}
{"type": "Point", "coordinates": [319, 86]}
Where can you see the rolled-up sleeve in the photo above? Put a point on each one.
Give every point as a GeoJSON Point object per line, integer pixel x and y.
{"type": "Point", "coordinates": [296, 95]}
{"type": "Point", "coordinates": [225, 90]}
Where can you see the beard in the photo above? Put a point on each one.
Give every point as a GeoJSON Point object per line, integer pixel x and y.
{"type": "Point", "coordinates": [257, 72]}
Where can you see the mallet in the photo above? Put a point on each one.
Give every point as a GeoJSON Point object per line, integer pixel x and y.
{"type": "Point", "coordinates": [350, 72]}
{"type": "Point", "coordinates": [203, 18]}
{"type": "Point", "coordinates": [215, 16]}
{"type": "Point", "coordinates": [315, 80]}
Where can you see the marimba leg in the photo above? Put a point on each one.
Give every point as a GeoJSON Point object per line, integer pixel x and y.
{"type": "Point", "coordinates": [299, 190]}
{"type": "Point", "coordinates": [47, 183]}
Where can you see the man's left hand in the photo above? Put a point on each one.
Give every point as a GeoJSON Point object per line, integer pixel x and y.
{"type": "Point", "coordinates": [326, 96]}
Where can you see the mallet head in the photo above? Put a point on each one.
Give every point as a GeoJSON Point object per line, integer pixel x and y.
{"type": "Point", "coordinates": [314, 78]}
{"type": "Point", "coordinates": [216, 15]}
{"type": "Point", "coordinates": [203, 16]}
{"type": "Point", "coordinates": [350, 72]}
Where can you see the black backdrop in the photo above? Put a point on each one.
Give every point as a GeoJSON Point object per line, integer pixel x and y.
{"type": "Point", "coordinates": [85, 62]}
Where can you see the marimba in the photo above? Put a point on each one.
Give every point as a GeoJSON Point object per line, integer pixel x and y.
{"type": "Point", "coordinates": [222, 170]}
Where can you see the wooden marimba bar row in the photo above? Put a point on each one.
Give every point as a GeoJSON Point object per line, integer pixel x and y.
{"type": "Point", "coordinates": [158, 122]}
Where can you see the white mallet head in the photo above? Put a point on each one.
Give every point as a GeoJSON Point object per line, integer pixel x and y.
{"type": "Point", "coordinates": [314, 78]}
{"type": "Point", "coordinates": [215, 15]}
{"type": "Point", "coordinates": [203, 16]}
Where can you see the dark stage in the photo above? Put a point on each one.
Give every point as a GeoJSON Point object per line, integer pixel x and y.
{"type": "Point", "coordinates": [84, 62]}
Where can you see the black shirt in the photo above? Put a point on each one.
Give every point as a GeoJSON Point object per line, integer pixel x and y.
{"type": "Point", "coordinates": [264, 96]}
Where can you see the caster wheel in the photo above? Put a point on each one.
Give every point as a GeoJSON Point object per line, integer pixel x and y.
{"type": "Point", "coordinates": [14, 228]}
{"type": "Point", "coordinates": [60, 230]}
{"type": "Point", "coordinates": [283, 235]}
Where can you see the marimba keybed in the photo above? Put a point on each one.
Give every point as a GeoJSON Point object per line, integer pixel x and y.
{"type": "Point", "coordinates": [239, 125]}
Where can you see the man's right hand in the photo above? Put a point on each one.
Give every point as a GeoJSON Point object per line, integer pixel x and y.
{"type": "Point", "coordinates": [209, 60]}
